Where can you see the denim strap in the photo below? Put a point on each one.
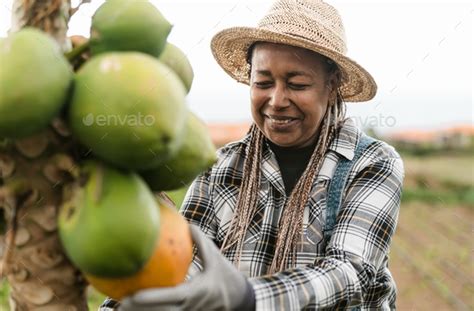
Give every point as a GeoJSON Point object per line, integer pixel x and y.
{"type": "Point", "coordinates": [338, 184]}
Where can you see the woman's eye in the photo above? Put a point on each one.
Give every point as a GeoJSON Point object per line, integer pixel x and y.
{"type": "Point", "coordinates": [263, 84]}
{"type": "Point", "coordinates": [298, 86]}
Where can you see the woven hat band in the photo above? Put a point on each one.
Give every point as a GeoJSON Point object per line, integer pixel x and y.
{"type": "Point", "coordinates": [297, 18]}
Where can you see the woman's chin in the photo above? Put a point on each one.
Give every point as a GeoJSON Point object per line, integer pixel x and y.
{"type": "Point", "coordinates": [282, 141]}
{"type": "Point", "coordinates": [289, 140]}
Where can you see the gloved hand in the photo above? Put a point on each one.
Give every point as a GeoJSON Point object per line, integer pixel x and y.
{"type": "Point", "coordinates": [220, 286]}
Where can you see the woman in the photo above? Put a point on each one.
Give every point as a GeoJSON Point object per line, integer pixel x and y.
{"type": "Point", "coordinates": [304, 207]}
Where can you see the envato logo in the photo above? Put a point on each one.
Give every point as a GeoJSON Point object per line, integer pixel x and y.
{"type": "Point", "coordinates": [119, 120]}
{"type": "Point", "coordinates": [374, 121]}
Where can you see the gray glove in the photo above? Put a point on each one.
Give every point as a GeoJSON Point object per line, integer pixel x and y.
{"type": "Point", "coordinates": [220, 286]}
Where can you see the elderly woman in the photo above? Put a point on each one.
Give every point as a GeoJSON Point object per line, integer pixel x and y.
{"type": "Point", "coordinates": [300, 213]}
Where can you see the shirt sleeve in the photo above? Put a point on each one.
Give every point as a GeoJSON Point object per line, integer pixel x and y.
{"type": "Point", "coordinates": [355, 252]}
{"type": "Point", "coordinates": [198, 209]}
{"type": "Point", "coordinates": [109, 305]}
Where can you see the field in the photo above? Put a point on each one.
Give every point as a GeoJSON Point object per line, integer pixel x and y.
{"type": "Point", "coordinates": [431, 257]}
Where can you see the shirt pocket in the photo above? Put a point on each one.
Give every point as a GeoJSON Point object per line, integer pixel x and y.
{"type": "Point", "coordinates": [313, 244]}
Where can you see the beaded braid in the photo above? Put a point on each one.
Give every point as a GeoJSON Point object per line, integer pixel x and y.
{"type": "Point", "coordinates": [291, 223]}
{"type": "Point", "coordinates": [247, 199]}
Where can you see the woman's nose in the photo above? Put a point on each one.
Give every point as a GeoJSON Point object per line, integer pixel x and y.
{"type": "Point", "coordinates": [279, 98]}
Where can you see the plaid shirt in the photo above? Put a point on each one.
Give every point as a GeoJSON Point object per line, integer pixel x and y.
{"type": "Point", "coordinates": [351, 270]}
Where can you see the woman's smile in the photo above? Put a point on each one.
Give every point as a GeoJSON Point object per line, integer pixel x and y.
{"type": "Point", "coordinates": [281, 123]}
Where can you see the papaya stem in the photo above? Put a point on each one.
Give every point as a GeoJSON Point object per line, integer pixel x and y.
{"type": "Point", "coordinates": [77, 51]}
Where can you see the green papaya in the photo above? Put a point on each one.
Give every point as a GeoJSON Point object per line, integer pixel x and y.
{"type": "Point", "coordinates": [110, 224]}
{"type": "Point", "coordinates": [34, 82]}
{"type": "Point", "coordinates": [196, 154]}
{"type": "Point", "coordinates": [177, 60]}
{"type": "Point", "coordinates": [129, 109]}
{"type": "Point", "coordinates": [120, 25]}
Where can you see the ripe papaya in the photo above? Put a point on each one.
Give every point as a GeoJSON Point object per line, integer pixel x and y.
{"type": "Point", "coordinates": [34, 82]}
{"type": "Point", "coordinates": [196, 154]}
{"type": "Point", "coordinates": [120, 25]}
{"type": "Point", "coordinates": [109, 225]}
{"type": "Point", "coordinates": [178, 61]}
{"type": "Point", "coordinates": [167, 267]}
{"type": "Point", "coordinates": [128, 108]}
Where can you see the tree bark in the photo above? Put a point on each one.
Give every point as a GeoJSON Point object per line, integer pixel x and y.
{"type": "Point", "coordinates": [33, 173]}
{"type": "Point", "coordinates": [51, 16]}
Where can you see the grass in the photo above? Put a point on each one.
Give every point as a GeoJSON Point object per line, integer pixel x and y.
{"type": "Point", "coordinates": [95, 299]}
{"type": "Point", "coordinates": [4, 292]}
{"type": "Point", "coordinates": [461, 196]}
{"type": "Point", "coordinates": [455, 168]}
{"type": "Point", "coordinates": [439, 179]}
{"type": "Point", "coordinates": [177, 196]}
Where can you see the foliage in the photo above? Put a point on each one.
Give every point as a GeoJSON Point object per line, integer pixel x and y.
{"type": "Point", "coordinates": [439, 179]}
{"type": "Point", "coordinates": [177, 196]}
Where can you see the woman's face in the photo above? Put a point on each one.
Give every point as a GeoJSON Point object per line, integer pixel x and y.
{"type": "Point", "coordinates": [289, 93]}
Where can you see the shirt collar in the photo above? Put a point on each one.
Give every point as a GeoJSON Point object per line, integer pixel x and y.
{"type": "Point", "coordinates": [346, 140]}
{"type": "Point", "coordinates": [344, 144]}
{"type": "Point", "coordinates": [270, 169]}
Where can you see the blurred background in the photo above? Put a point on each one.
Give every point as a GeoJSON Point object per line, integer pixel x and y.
{"type": "Point", "coordinates": [421, 55]}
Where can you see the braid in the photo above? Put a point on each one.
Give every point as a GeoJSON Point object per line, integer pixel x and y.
{"type": "Point", "coordinates": [248, 195]}
{"type": "Point", "coordinates": [292, 219]}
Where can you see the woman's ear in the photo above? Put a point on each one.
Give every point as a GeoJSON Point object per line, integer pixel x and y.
{"type": "Point", "coordinates": [333, 83]}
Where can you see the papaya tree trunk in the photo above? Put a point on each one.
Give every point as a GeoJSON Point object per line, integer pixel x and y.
{"type": "Point", "coordinates": [33, 173]}
{"type": "Point", "coordinates": [50, 16]}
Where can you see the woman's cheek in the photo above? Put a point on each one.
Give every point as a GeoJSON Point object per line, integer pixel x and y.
{"type": "Point", "coordinates": [256, 102]}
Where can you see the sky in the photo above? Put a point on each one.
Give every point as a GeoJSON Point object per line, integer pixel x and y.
{"type": "Point", "coordinates": [420, 53]}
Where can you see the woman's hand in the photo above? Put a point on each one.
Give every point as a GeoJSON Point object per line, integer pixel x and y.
{"type": "Point", "coordinates": [220, 286]}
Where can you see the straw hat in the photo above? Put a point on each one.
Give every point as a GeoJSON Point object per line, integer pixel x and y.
{"type": "Point", "coordinates": [310, 24]}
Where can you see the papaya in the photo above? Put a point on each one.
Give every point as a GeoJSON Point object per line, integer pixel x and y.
{"type": "Point", "coordinates": [168, 265]}
{"type": "Point", "coordinates": [196, 154]}
{"type": "Point", "coordinates": [128, 108]}
{"type": "Point", "coordinates": [34, 82]}
{"type": "Point", "coordinates": [177, 60]}
{"type": "Point", "coordinates": [120, 25]}
{"type": "Point", "coordinates": [109, 225]}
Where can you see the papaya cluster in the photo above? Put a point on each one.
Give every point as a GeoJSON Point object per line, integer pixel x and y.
{"type": "Point", "coordinates": [126, 105]}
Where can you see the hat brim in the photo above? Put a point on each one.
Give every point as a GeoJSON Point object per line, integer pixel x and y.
{"type": "Point", "coordinates": [230, 46]}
